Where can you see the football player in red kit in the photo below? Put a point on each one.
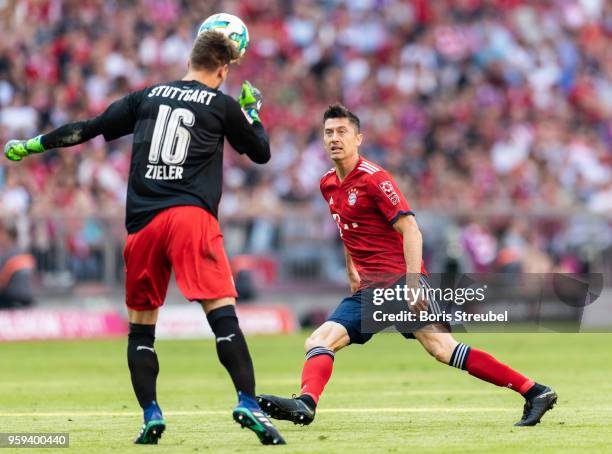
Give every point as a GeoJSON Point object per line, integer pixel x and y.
{"type": "Point", "coordinates": [383, 248]}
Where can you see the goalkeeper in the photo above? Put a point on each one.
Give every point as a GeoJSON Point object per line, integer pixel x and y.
{"type": "Point", "coordinates": [173, 195]}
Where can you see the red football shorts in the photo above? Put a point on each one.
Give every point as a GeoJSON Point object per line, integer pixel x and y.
{"type": "Point", "coordinates": [186, 239]}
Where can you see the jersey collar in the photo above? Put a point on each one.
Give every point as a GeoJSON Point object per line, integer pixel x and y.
{"type": "Point", "coordinates": [350, 174]}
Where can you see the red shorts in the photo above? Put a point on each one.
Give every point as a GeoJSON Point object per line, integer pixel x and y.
{"type": "Point", "coordinates": [186, 239]}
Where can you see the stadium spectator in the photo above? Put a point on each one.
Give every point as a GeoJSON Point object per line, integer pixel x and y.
{"type": "Point", "coordinates": [16, 268]}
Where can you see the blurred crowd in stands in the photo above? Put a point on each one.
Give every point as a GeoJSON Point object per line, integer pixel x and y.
{"type": "Point", "coordinates": [498, 112]}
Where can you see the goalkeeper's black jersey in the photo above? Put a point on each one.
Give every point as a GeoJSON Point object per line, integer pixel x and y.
{"type": "Point", "coordinates": [177, 154]}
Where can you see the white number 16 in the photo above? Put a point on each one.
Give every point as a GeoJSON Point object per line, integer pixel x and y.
{"type": "Point", "coordinates": [170, 136]}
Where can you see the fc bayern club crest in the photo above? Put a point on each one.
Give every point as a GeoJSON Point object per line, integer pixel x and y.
{"type": "Point", "coordinates": [352, 197]}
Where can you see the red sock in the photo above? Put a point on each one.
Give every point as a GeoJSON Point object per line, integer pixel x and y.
{"type": "Point", "coordinates": [482, 365]}
{"type": "Point", "coordinates": [317, 370]}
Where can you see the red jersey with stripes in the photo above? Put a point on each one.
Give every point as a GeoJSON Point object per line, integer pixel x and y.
{"type": "Point", "coordinates": [365, 205]}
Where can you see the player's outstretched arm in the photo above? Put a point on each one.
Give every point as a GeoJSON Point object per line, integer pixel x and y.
{"type": "Point", "coordinates": [244, 130]}
{"type": "Point", "coordinates": [64, 136]}
{"type": "Point", "coordinates": [116, 121]}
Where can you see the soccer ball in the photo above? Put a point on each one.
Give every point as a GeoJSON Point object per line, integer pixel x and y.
{"type": "Point", "coordinates": [231, 26]}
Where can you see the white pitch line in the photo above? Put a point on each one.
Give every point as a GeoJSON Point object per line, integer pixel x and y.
{"type": "Point", "coordinates": [225, 412]}
{"type": "Point", "coordinates": [415, 410]}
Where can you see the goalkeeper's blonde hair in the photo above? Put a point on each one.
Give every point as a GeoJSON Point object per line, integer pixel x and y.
{"type": "Point", "coordinates": [212, 49]}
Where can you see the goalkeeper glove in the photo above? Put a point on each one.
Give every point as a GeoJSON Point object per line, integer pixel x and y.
{"type": "Point", "coordinates": [16, 150]}
{"type": "Point", "coordinates": [250, 101]}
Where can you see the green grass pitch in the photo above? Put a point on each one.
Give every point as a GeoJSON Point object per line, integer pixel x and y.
{"type": "Point", "coordinates": [386, 396]}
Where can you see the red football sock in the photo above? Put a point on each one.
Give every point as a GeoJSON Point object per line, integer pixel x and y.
{"type": "Point", "coordinates": [316, 373]}
{"type": "Point", "coordinates": [482, 365]}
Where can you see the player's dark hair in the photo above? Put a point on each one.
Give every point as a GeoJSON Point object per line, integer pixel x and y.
{"type": "Point", "coordinates": [212, 49]}
{"type": "Point", "coordinates": [337, 110]}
